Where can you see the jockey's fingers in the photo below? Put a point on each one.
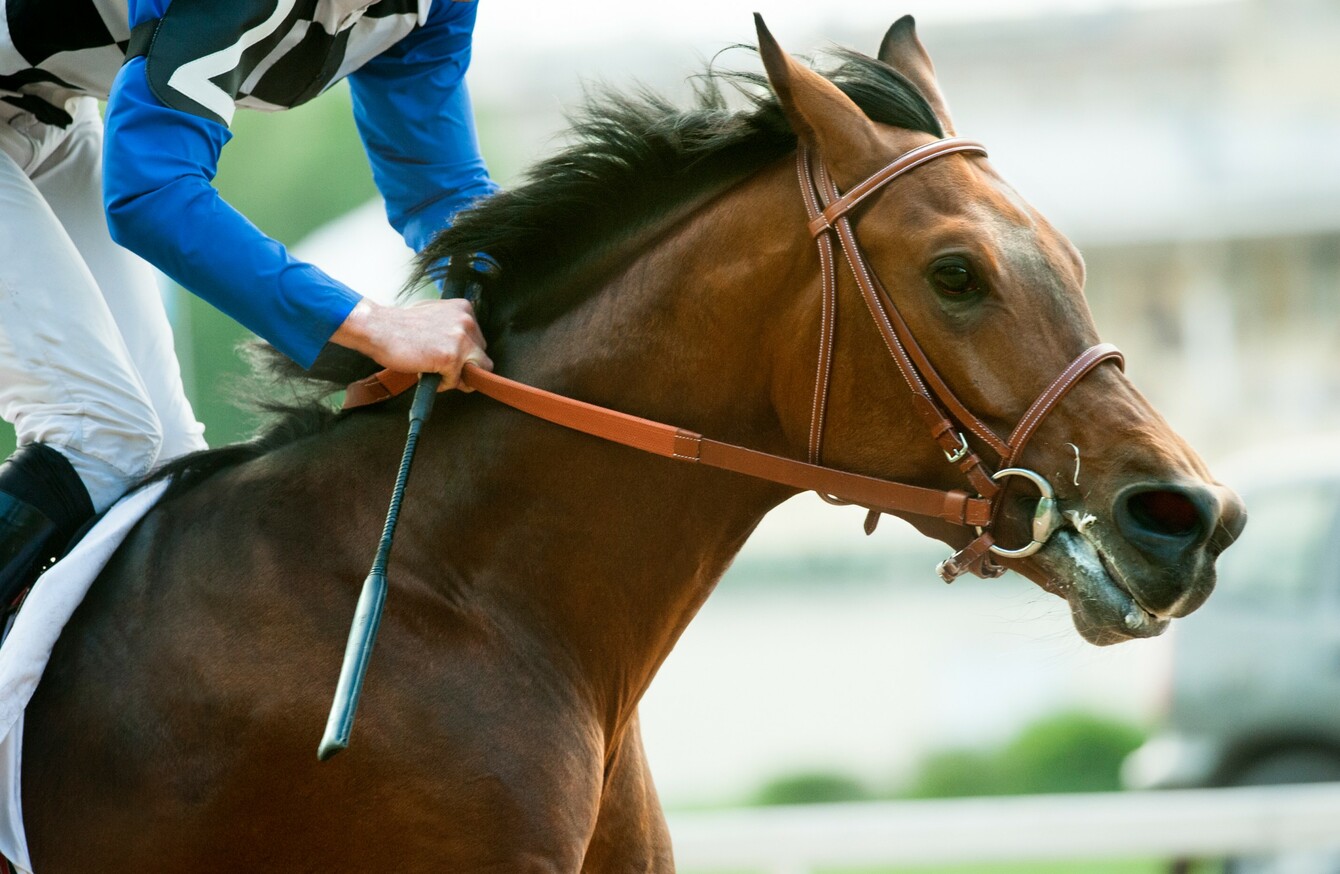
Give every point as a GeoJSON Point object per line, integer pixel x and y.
{"type": "Point", "coordinates": [463, 314]}
{"type": "Point", "coordinates": [472, 329]}
{"type": "Point", "coordinates": [453, 379]}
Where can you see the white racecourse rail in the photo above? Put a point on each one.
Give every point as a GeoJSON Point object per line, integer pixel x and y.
{"type": "Point", "coordinates": [1203, 823]}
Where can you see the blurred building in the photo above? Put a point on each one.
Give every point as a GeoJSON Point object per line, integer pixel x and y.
{"type": "Point", "coordinates": [1194, 155]}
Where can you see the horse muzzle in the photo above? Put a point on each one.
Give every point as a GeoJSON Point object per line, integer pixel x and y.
{"type": "Point", "coordinates": [1149, 558]}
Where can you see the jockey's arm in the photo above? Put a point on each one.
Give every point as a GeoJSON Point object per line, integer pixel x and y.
{"type": "Point", "coordinates": [414, 115]}
{"type": "Point", "coordinates": [413, 112]}
{"type": "Point", "coordinates": [159, 166]}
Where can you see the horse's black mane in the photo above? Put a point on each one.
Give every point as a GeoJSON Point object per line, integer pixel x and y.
{"type": "Point", "coordinates": [633, 159]}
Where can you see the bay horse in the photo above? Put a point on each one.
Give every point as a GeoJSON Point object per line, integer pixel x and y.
{"type": "Point", "coordinates": [663, 266]}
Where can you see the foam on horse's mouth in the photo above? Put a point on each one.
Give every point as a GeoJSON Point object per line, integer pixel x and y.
{"type": "Point", "coordinates": [1101, 604]}
{"type": "Point", "coordinates": [1137, 619]}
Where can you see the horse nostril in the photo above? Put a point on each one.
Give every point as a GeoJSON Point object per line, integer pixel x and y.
{"type": "Point", "coordinates": [1165, 512]}
{"type": "Point", "coordinates": [1166, 522]}
{"type": "Point", "coordinates": [1179, 530]}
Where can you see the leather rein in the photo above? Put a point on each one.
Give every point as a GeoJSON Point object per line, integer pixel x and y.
{"type": "Point", "coordinates": [943, 413]}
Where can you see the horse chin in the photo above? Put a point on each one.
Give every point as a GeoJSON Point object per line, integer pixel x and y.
{"type": "Point", "coordinates": [1101, 604]}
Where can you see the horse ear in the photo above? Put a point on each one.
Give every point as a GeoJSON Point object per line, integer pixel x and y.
{"type": "Point", "coordinates": [822, 116]}
{"type": "Point", "coordinates": [904, 52]}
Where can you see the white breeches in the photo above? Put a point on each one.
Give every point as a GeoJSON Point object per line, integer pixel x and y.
{"type": "Point", "coordinates": [87, 365]}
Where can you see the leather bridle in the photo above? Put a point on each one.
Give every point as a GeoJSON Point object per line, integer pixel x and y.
{"type": "Point", "coordinates": [932, 399]}
{"type": "Point", "coordinates": [940, 409]}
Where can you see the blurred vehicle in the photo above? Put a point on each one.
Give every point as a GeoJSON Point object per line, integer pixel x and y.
{"type": "Point", "coordinates": [1254, 695]}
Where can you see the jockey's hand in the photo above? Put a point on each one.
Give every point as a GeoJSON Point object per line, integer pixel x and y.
{"type": "Point", "coordinates": [432, 336]}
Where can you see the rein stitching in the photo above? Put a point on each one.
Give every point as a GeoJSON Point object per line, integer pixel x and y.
{"type": "Point", "coordinates": [932, 398]}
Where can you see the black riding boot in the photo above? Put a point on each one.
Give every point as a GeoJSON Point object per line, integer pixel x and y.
{"type": "Point", "coordinates": [42, 506]}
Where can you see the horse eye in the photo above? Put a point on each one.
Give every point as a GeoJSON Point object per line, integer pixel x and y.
{"type": "Point", "coordinates": [954, 279]}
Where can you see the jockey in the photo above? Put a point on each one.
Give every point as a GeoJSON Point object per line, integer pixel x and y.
{"type": "Point", "coordinates": [88, 377]}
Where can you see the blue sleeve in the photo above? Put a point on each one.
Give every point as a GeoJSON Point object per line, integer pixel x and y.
{"type": "Point", "coordinates": [158, 171]}
{"type": "Point", "coordinates": [413, 112]}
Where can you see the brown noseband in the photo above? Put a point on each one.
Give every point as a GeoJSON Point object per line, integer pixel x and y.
{"type": "Point", "coordinates": [933, 400]}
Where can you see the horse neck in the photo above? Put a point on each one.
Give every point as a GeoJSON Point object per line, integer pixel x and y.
{"type": "Point", "coordinates": [606, 551]}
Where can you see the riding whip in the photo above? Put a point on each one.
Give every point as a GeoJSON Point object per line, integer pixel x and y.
{"type": "Point", "coordinates": [464, 277]}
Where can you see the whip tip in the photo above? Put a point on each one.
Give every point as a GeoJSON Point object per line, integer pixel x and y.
{"type": "Point", "coordinates": [330, 745]}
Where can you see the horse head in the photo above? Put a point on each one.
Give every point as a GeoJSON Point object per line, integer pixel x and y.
{"type": "Point", "coordinates": [993, 295]}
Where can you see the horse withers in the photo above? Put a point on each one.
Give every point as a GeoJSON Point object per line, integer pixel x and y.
{"type": "Point", "coordinates": [664, 265]}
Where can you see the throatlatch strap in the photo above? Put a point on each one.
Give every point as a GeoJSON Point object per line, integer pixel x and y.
{"type": "Point", "coordinates": [827, 310]}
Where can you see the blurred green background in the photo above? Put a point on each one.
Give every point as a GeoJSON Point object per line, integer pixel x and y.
{"type": "Point", "coordinates": [289, 172]}
{"type": "Point", "coordinates": [1065, 752]}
